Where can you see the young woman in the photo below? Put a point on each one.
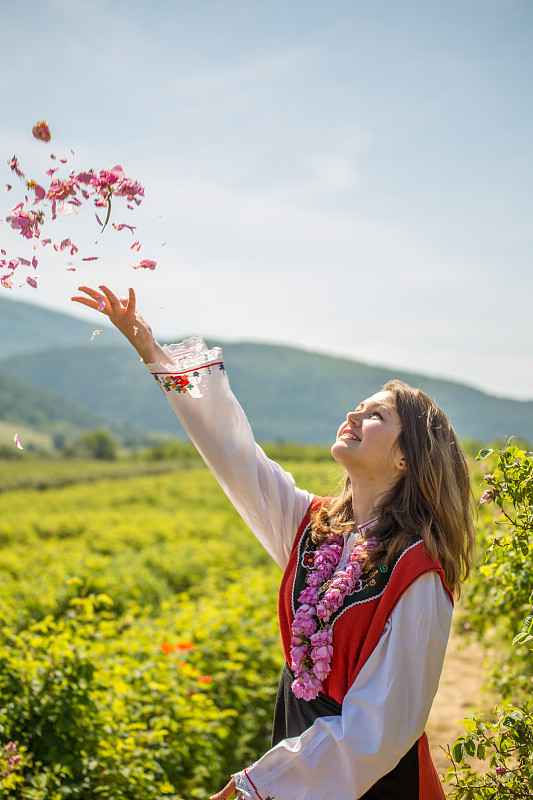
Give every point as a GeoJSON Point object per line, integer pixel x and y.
{"type": "Point", "coordinates": [369, 577]}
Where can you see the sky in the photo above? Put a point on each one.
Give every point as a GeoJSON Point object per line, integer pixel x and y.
{"type": "Point", "coordinates": [348, 177]}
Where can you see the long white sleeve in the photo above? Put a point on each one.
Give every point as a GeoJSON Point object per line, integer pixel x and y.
{"type": "Point", "coordinates": [196, 385]}
{"type": "Point", "coordinates": [383, 714]}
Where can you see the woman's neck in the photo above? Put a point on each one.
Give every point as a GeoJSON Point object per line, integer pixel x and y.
{"type": "Point", "coordinates": [366, 498]}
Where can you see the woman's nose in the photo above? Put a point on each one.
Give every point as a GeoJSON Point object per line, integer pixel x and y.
{"type": "Point", "coordinates": [353, 418]}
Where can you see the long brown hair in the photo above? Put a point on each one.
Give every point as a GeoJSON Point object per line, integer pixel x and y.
{"type": "Point", "coordinates": [433, 499]}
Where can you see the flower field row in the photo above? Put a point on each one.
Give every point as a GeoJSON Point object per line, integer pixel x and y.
{"type": "Point", "coordinates": [139, 650]}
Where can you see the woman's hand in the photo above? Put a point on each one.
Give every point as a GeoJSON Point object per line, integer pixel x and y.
{"type": "Point", "coordinates": [124, 317]}
{"type": "Point", "coordinates": [228, 791]}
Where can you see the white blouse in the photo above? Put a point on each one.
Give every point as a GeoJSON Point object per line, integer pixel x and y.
{"type": "Point", "coordinates": [386, 709]}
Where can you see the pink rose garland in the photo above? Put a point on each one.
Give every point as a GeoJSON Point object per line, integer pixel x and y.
{"type": "Point", "coordinates": [312, 634]}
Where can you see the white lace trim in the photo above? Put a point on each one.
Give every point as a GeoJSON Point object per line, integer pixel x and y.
{"type": "Point", "coordinates": [244, 787]}
{"type": "Point", "coordinates": [189, 354]}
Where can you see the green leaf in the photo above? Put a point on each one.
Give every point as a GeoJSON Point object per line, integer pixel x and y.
{"type": "Point", "coordinates": [458, 751]}
{"type": "Point", "coordinates": [484, 453]}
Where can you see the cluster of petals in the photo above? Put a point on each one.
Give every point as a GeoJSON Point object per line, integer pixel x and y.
{"type": "Point", "coordinates": [312, 635]}
{"type": "Point", "coordinates": [64, 196]}
{"type": "Point", "coordinates": [26, 222]}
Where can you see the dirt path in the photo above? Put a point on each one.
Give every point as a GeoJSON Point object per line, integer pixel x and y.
{"type": "Point", "coordinates": [457, 697]}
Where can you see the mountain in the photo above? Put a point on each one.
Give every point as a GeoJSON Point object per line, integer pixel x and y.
{"type": "Point", "coordinates": [289, 394]}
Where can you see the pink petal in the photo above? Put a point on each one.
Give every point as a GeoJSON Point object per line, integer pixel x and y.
{"type": "Point", "coordinates": [95, 333]}
{"type": "Point", "coordinates": [8, 187]}
{"type": "Point", "coordinates": [16, 439]}
{"type": "Point", "coordinates": [123, 225]}
{"type": "Point", "coordinates": [99, 221]}
{"type": "Point", "coordinates": [32, 281]}
{"type": "Point", "coordinates": [41, 131]}
{"type": "Point", "coordinates": [34, 262]}
{"type": "Point", "coordinates": [101, 304]}
{"type": "Point", "coordinates": [71, 269]}
{"type": "Point", "coordinates": [136, 246]}
{"type": "Point", "coordinates": [65, 209]}
{"type": "Point", "coordinates": [62, 160]}
{"type": "Point", "coordinates": [145, 264]}
{"type": "Point", "coordinates": [45, 242]}
{"type": "Point", "coordinates": [51, 171]}
{"type": "Point", "coordinates": [117, 172]}
{"type": "Point", "coordinates": [91, 258]}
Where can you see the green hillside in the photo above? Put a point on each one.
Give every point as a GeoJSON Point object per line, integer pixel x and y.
{"type": "Point", "coordinates": [289, 394]}
{"type": "Point", "coordinates": [38, 408]}
{"type": "Point", "coordinates": [26, 328]}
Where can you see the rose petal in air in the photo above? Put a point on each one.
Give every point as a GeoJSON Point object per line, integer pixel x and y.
{"type": "Point", "coordinates": [99, 221]}
{"type": "Point", "coordinates": [91, 258]}
{"type": "Point", "coordinates": [8, 187]}
{"type": "Point", "coordinates": [32, 281]}
{"type": "Point", "coordinates": [95, 333]}
{"type": "Point", "coordinates": [41, 131]}
{"type": "Point", "coordinates": [34, 262]}
{"type": "Point", "coordinates": [71, 269]}
{"type": "Point", "coordinates": [136, 246]}
{"type": "Point", "coordinates": [145, 264]}
{"type": "Point", "coordinates": [101, 304]}
{"type": "Point", "coordinates": [16, 439]}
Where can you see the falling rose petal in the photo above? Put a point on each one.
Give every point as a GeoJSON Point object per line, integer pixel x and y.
{"type": "Point", "coordinates": [145, 264]}
{"type": "Point", "coordinates": [62, 160]}
{"type": "Point", "coordinates": [51, 171]}
{"type": "Point", "coordinates": [16, 439]}
{"type": "Point", "coordinates": [91, 258]}
{"type": "Point", "coordinates": [41, 131]}
{"type": "Point", "coordinates": [6, 281]}
{"type": "Point", "coordinates": [99, 221]}
{"type": "Point", "coordinates": [32, 281]}
{"type": "Point", "coordinates": [34, 262]}
{"type": "Point", "coordinates": [101, 304]}
{"type": "Point", "coordinates": [52, 156]}
{"type": "Point", "coordinates": [3, 252]}
{"type": "Point", "coordinates": [71, 269]}
{"type": "Point", "coordinates": [136, 246]}
{"type": "Point", "coordinates": [65, 209]}
{"type": "Point", "coordinates": [45, 242]}
{"type": "Point", "coordinates": [163, 245]}
{"type": "Point", "coordinates": [8, 187]}
{"type": "Point", "coordinates": [24, 262]}
{"type": "Point", "coordinates": [123, 225]}
{"type": "Point", "coordinates": [130, 207]}
{"type": "Point", "coordinates": [95, 333]}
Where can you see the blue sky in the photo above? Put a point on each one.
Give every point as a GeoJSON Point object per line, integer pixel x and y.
{"type": "Point", "coordinates": [350, 177]}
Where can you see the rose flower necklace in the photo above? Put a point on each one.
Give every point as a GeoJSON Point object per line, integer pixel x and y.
{"type": "Point", "coordinates": [312, 633]}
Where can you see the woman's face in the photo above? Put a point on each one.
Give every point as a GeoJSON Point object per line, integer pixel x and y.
{"type": "Point", "coordinates": [366, 441]}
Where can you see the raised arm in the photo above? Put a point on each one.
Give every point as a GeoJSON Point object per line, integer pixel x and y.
{"type": "Point", "coordinates": [195, 383]}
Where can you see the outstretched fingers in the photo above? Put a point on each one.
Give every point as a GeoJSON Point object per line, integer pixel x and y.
{"type": "Point", "coordinates": [94, 300]}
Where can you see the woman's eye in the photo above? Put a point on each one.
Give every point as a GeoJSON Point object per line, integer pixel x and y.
{"type": "Point", "coordinates": [376, 414]}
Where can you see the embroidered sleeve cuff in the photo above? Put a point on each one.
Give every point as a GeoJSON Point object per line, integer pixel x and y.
{"type": "Point", "coordinates": [189, 364]}
{"type": "Point", "coordinates": [245, 787]}
{"type": "Point", "coordinates": [190, 354]}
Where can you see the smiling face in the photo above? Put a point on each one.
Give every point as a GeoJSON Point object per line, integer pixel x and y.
{"type": "Point", "coordinates": [366, 441]}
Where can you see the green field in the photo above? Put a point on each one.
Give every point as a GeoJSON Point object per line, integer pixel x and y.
{"type": "Point", "coordinates": [139, 649]}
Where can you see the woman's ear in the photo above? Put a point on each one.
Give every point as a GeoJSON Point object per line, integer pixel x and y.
{"type": "Point", "coordinates": [401, 463]}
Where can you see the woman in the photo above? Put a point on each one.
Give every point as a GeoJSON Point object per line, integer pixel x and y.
{"type": "Point", "coordinates": [366, 597]}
